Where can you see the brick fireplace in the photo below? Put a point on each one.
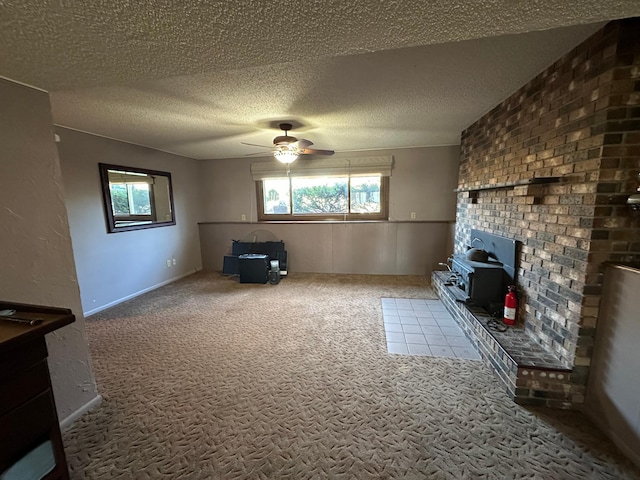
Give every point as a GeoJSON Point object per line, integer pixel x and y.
{"type": "Point", "coordinates": [552, 167]}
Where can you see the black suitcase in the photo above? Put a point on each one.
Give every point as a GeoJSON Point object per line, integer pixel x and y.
{"type": "Point", "coordinates": [254, 268]}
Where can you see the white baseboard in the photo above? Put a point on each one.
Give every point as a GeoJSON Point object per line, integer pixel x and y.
{"type": "Point", "coordinates": [621, 443]}
{"type": "Point", "coordinates": [603, 423]}
{"type": "Point", "coordinates": [136, 294]}
{"type": "Point", "coordinates": [90, 405]}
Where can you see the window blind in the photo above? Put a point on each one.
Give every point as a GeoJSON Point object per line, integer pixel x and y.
{"type": "Point", "coordinates": [126, 177]}
{"type": "Point", "coordinates": [379, 165]}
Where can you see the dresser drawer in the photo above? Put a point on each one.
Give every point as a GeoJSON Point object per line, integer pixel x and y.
{"type": "Point", "coordinates": [15, 360]}
{"type": "Point", "coordinates": [20, 388]}
{"type": "Point", "coordinates": [25, 427]}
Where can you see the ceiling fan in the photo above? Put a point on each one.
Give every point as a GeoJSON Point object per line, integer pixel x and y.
{"type": "Point", "coordinates": [287, 148]}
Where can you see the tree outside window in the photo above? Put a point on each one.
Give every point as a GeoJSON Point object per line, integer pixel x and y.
{"type": "Point", "coordinates": [131, 199]}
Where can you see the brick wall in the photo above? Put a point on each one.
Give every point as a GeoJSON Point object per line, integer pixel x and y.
{"type": "Point", "coordinates": [578, 121]}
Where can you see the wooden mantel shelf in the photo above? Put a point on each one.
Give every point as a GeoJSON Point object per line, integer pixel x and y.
{"type": "Point", "coordinates": [498, 186]}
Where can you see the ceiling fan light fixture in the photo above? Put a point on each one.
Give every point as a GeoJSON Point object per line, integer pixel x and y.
{"type": "Point", "coordinates": [285, 156]}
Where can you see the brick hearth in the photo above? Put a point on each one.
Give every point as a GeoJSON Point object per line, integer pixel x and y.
{"type": "Point", "coordinates": [529, 373]}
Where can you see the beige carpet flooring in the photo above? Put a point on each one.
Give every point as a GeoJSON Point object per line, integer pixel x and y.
{"type": "Point", "coordinates": [207, 378]}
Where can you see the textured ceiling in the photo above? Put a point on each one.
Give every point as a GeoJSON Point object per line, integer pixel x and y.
{"type": "Point", "coordinates": [196, 78]}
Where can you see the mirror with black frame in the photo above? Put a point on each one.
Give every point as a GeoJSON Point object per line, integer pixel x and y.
{"type": "Point", "coordinates": [136, 198]}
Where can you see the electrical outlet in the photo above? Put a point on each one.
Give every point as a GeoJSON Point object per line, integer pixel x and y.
{"type": "Point", "coordinates": [173, 260]}
{"type": "Point", "coordinates": [244, 217]}
{"type": "Point", "coordinates": [413, 215]}
{"type": "Point", "coordinates": [169, 263]}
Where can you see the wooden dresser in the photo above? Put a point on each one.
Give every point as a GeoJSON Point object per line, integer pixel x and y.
{"type": "Point", "coordinates": [28, 419]}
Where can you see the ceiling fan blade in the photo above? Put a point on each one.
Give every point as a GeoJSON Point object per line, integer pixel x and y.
{"type": "Point", "coordinates": [313, 151]}
{"type": "Point", "coordinates": [256, 145]}
{"type": "Point", "coordinates": [303, 143]}
{"type": "Point", "coordinates": [256, 154]}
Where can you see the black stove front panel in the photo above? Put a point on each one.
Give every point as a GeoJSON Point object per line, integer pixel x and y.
{"type": "Point", "coordinates": [481, 282]}
{"type": "Point", "coordinates": [500, 249]}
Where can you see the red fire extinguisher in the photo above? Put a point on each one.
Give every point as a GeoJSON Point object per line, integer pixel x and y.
{"type": "Point", "coordinates": [510, 306]}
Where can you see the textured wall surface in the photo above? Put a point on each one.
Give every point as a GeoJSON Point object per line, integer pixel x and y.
{"type": "Point", "coordinates": [578, 120]}
{"type": "Point", "coordinates": [35, 248]}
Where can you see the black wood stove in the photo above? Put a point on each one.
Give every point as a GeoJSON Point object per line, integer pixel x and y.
{"type": "Point", "coordinates": [484, 283]}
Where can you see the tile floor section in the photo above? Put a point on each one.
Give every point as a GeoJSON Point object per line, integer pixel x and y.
{"type": "Point", "coordinates": [424, 327]}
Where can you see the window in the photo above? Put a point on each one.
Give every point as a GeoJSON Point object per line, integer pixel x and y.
{"type": "Point", "coordinates": [323, 190]}
{"type": "Point", "coordinates": [322, 198]}
{"type": "Point", "coordinates": [130, 199]}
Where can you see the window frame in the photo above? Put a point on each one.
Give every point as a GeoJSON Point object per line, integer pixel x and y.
{"type": "Point", "coordinates": [135, 217]}
{"type": "Point", "coordinates": [310, 217]}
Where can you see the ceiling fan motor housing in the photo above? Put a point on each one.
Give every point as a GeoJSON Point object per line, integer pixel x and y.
{"type": "Point", "coordinates": [284, 140]}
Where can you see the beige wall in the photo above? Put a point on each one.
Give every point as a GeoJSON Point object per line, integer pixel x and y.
{"type": "Point", "coordinates": [378, 248]}
{"type": "Point", "coordinates": [423, 181]}
{"type": "Point", "coordinates": [613, 390]}
{"type": "Point", "coordinates": [35, 248]}
{"type": "Point", "coordinates": [113, 267]}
